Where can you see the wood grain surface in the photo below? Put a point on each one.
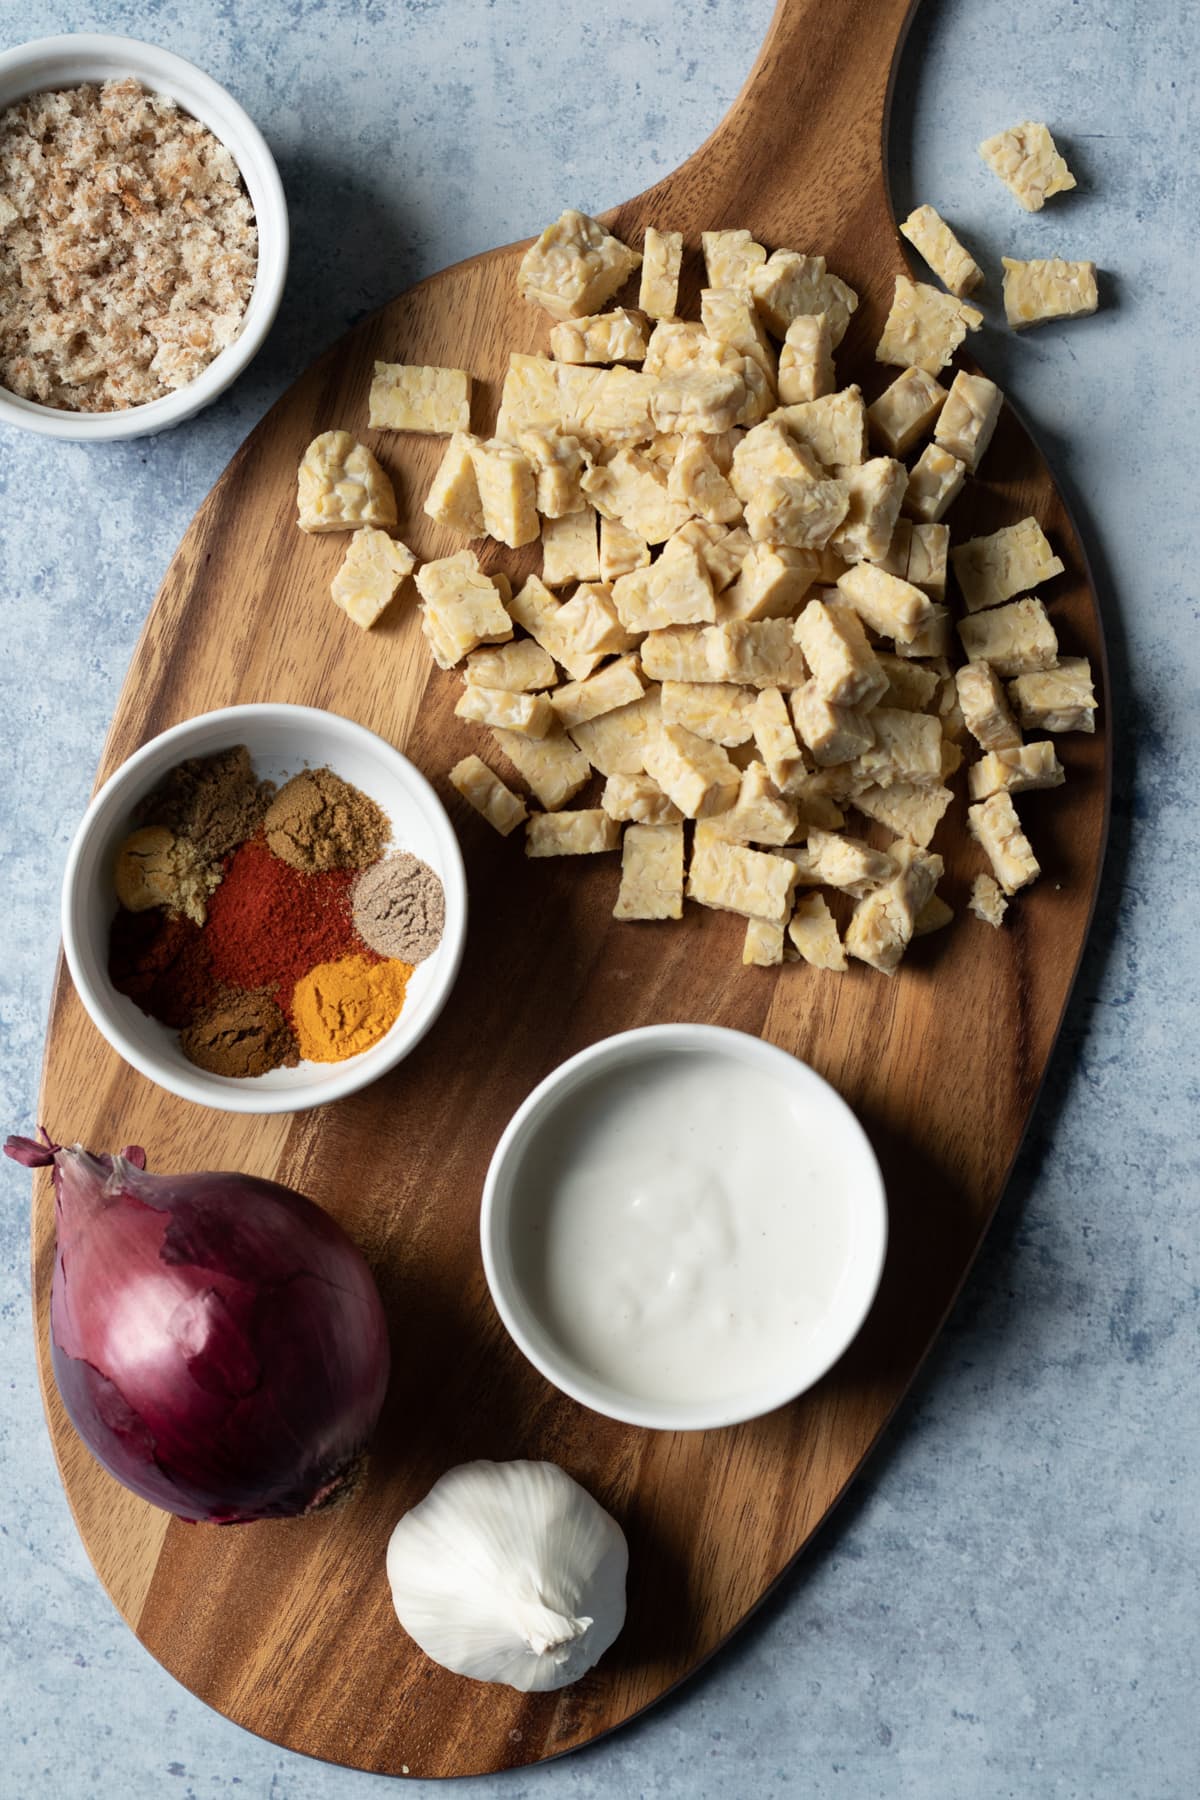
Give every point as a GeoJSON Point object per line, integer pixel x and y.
{"type": "Point", "coordinates": [287, 1628]}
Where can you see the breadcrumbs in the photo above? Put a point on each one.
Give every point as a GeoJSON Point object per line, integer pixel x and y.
{"type": "Point", "coordinates": [128, 247]}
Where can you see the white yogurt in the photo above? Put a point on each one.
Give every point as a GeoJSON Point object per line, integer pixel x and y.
{"type": "Point", "coordinates": [684, 1226]}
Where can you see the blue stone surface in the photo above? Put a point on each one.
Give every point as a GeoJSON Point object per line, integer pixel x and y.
{"type": "Point", "coordinates": [1005, 1605]}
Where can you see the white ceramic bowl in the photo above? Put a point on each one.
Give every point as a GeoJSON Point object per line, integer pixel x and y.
{"type": "Point", "coordinates": [513, 1210]}
{"type": "Point", "coordinates": [282, 740]}
{"type": "Point", "coordinates": [63, 62]}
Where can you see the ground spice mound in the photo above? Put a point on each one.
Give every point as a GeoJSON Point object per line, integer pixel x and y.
{"type": "Point", "coordinates": [342, 1008]}
{"type": "Point", "coordinates": [160, 961]}
{"type": "Point", "coordinates": [268, 923]}
{"type": "Point", "coordinates": [317, 821]}
{"type": "Point", "coordinates": [400, 908]}
{"type": "Point", "coordinates": [215, 802]}
{"type": "Point", "coordinates": [240, 1034]}
{"type": "Point", "coordinates": [156, 868]}
{"type": "Point", "coordinates": [128, 247]}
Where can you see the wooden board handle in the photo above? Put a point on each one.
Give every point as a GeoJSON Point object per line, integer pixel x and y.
{"type": "Point", "coordinates": [807, 126]}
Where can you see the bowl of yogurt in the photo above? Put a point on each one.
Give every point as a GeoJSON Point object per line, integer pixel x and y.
{"type": "Point", "coordinates": [683, 1227]}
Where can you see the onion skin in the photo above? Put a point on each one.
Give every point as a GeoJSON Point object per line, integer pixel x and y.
{"type": "Point", "coordinates": [218, 1341]}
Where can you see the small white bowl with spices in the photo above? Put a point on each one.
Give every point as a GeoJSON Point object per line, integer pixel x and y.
{"type": "Point", "coordinates": [130, 370]}
{"type": "Point", "coordinates": [282, 742]}
{"type": "Point", "coordinates": [683, 1227]}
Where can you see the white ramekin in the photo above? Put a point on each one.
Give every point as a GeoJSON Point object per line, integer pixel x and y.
{"type": "Point", "coordinates": [847, 1308]}
{"type": "Point", "coordinates": [62, 62]}
{"type": "Point", "coordinates": [281, 740]}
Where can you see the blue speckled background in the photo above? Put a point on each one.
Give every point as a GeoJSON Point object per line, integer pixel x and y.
{"type": "Point", "coordinates": [1006, 1604]}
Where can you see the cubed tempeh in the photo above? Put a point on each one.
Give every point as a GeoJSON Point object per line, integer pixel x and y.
{"type": "Point", "coordinates": [483, 789]}
{"type": "Point", "coordinates": [552, 766]}
{"type": "Point", "coordinates": [640, 799]}
{"type": "Point", "coordinates": [813, 931]}
{"type": "Point", "coordinates": [730, 878]}
{"type": "Point", "coordinates": [698, 776]}
{"type": "Point", "coordinates": [1010, 561]}
{"type": "Point", "coordinates": [994, 824]}
{"type": "Point", "coordinates": [844, 667]}
{"type": "Point", "coordinates": [985, 710]}
{"type": "Point", "coordinates": [530, 714]}
{"type": "Point", "coordinates": [651, 873]}
{"type": "Point", "coordinates": [582, 833]}
{"type": "Point", "coordinates": [1016, 639]}
{"type": "Point", "coordinates": [1015, 771]}
{"type": "Point", "coordinates": [1061, 698]}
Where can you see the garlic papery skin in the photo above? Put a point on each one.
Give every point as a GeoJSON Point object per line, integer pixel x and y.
{"type": "Point", "coordinates": [510, 1572]}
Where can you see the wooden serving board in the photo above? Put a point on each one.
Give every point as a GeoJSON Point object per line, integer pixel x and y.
{"type": "Point", "coordinates": [288, 1628]}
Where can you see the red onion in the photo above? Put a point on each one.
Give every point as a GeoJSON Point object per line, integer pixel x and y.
{"type": "Point", "coordinates": [218, 1341]}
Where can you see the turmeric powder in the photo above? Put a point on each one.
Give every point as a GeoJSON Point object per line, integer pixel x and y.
{"type": "Point", "coordinates": [341, 1008]}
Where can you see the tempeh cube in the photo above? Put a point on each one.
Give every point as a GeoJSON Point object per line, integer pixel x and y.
{"type": "Point", "coordinates": [934, 483]}
{"type": "Point", "coordinates": [651, 873]}
{"type": "Point", "coordinates": [876, 491]}
{"type": "Point", "coordinates": [985, 710]}
{"type": "Point", "coordinates": [662, 257]}
{"type": "Point", "coordinates": [847, 863]}
{"type": "Point", "coordinates": [762, 947]}
{"type": "Point", "coordinates": [911, 812]}
{"type": "Point", "coordinates": [717, 710]}
{"type": "Point", "coordinates": [678, 653]}
{"type": "Point", "coordinates": [697, 775]}
{"type": "Point", "coordinates": [969, 417]}
{"type": "Point", "coordinates": [481, 788]}
{"type": "Point", "coordinates": [640, 799]}
{"type": "Point", "coordinates": [1028, 163]}
{"type": "Point", "coordinates": [884, 921]}
{"type": "Point", "coordinates": [775, 739]}
{"type": "Point", "coordinates": [460, 607]}
{"type": "Point", "coordinates": [995, 825]}
{"type": "Point", "coordinates": [804, 514]}
{"type": "Point", "coordinates": [552, 766]}
{"type": "Point", "coordinates": [530, 714]}
{"type": "Point", "coordinates": [583, 833]}
{"type": "Point", "coordinates": [621, 550]}
{"type": "Point", "coordinates": [892, 607]}
{"type": "Point", "coordinates": [760, 814]}
{"type": "Point", "coordinates": [1016, 639]}
{"type": "Point", "coordinates": [1037, 292]}
{"type": "Point", "coordinates": [1057, 699]}
{"type": "Point", "coordinates": [614, 743]}
{"type": "Point", "coordinates": [932, 238]}
{"type": "Point", "coordinates": [453, 497]}
{"type": "Point", "coordinates": [987, 901]}
{"type": "Point", "coordinates": [574, 266]}
{"type": "Point", "coordinates": [907, 747]}
{"type": "Point", "coordinates": [617, 684]}
{"type": "Point", "coordinates": [813, 931]}
{"type": "Point", "coordinates": [1016, 771]}
{"type": "Point", "coordinates": [569, 550]}
{"type": "Point", "coordinates": [507, 492]}
{"type": "Point", "coordinates": [833, 427]}
{"type": "Point", "coordinates": [806, 360]}
{"type": "Point", "coordinates": [905, 411]}
{"type": "Point", "coordinates": [612, 337]}
{"type": "Point", "coordinates": [771, 583]}
{"type": "Point", "coordinates": [925, 327]}
{"type": "Point", "coordinates": [731, 878]}
{"type": "Point", "coordinates": [520, 667]}
{"type": "Point", "coordinates": [408, 398]}
{"type": "Point", "coordinates": [370, 576]}
{"type": "Point", "coordinates": [1007, 562]}
{"type": "Point", "coordinates": [834, 734]}
{"type": "Point", "coordinates": [675, 590]}
{"type": "Point", "coordinates": [844, 667]}
{"type": "Point", "coordinates": [755, 652]}
{"type": "Point", "coordinates": [730, 257]}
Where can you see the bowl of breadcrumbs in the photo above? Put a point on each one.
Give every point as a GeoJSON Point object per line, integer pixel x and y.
{"type": "Point", "coordinates": [143, 238]}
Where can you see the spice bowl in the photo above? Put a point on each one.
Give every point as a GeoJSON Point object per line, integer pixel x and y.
{"type": "Point", "coordinates": [282, 742]}
{"type": "Point", "coordinates": [92, 57]}
{"type": "Point", "coordinates": [683, 1227]}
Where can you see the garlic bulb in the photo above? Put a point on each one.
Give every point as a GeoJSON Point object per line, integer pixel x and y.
{"type": "Point", "coordinates": [510, 1572]}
